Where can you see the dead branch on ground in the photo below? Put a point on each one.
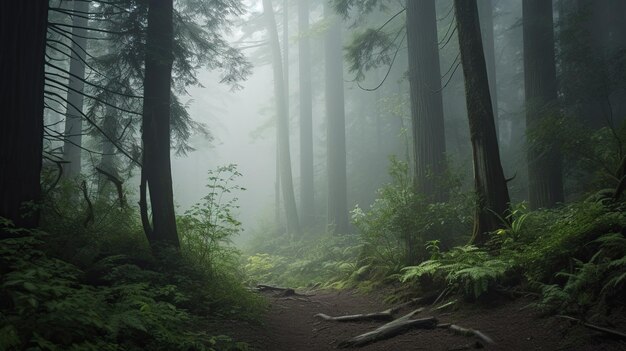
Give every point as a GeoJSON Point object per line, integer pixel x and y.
{"type": "Point", "coordinates": [470, 333]}
{"type": "Point", "coordinates": [389, 330]}
{"type": "Point", "coordinates": [611, 332]}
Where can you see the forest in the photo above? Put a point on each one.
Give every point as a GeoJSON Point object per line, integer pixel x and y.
{"type": "Point", "coordinates": [286, 175]}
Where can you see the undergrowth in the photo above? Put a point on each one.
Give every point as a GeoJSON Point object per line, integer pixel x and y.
{"type": "Point", "coordinates": [94, 285]}
{"type": "Point", "coordinates": [572, 257]}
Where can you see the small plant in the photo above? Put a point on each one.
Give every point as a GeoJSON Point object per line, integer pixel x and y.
{"type": "Point", "coordinates": [208, 227]}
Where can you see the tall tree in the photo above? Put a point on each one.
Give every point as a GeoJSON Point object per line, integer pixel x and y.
{"type": "Point", "coordinates": [156, 165]}
{"type": "Point", "coordinates": [307, 209]}
{"type": "Point", "coordinates": [284, 155]}
{"type": "Point", "coordinates": [485, 14]}
{"type": "Point", "coordinates": [489, 182]}
{"type": "Point", "coordinates": [429, 142]}
{"type": "Point", "coordinates": [74, 111]}
{"type": "Point", "coordinates": [545, 179]}
{"type": "Point", "coordinates": [337, 215]}
{"type": "Point", "coordinates": [22, 37]}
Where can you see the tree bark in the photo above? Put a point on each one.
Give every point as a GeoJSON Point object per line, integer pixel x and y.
{"type": "Point", "coordinates": [73, 116]}
{"type": "Point", "coordinates": [23, 38]}
{"type": "Point", "coordinates": [429, 143]}
{"type": "Point", "coordinates": [485, 14]}
{"type": "Point", "coordinates": [307, 197]}
{"type": "Point", "coordinates": [545, 180]}
{"type": "Point", "coordinates": [489, 182]}
{"type": "Point", "coordinates": [337, 215]}
{"type": "Point", "coordinates": [156, 166]}
{"type": "Point", "coordinates": [286, 180]}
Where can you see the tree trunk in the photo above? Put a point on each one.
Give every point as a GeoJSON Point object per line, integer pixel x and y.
{"type": "Point", "coordinates": [337, 216]}
{"type": "Point", "coordinates": [23, 39]}
{"type": "Point", "coordinates": [73, 115]}
{"type": "Point", "coordinates": [307, 207]}
{"type": "Point", "coordinates": [545, 180]}
{"type": "Point", "coordinates": [429, 143]}
{"type": "Point", "coordinates": [489, 182]}
{"type": "Point", "coordinates": [156, 166]}
{"type": "Point", "coordinates": [286, 180]}
{"type": "Point", "coordinates": [485, 14]}
{"type": "Point", "coordinates": [107, 162]}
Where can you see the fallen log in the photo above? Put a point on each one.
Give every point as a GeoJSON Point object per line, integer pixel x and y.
{"type": "Point", "coordinates": [611, 332]}
{"type": "Point", "coordinates": [469, 332]}
{"type": "Point", "coordinates": [376, 316]}
{"type": "Point", "coordinates": [389, 330]}
{"type": "Point", "coordinates": [386, 315]}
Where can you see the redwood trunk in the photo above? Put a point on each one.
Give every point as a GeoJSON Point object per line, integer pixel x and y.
{"type": "Point", "coordinates": [545, 180]}
{"type": "Point", "coordinates": [156, 166]}
{"type": "Point", "coordinates": [284, 155]}
{"type": "Point", "coordinates": [73, 116]}
{"type": "Point", "coordinates": [337, 217]}
{"type": "Point", "coordinates": [22, 37]}
{"type": "Point", "coordinates": [489, 182]}
{"type": "Point", "coordinates": [485, 13]}
{"type": "Point", "coordinates": [307, 209]}
{"type": "Point", "coordinates": [429, 143]}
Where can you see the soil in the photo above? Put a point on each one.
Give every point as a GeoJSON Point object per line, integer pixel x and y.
{"type": "Point", "coordinates": [290, 325]}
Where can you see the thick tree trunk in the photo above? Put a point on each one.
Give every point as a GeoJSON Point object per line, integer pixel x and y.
{"type": "Point", "coordinates": [73, 116]}
{"type": "Point", "coordinates": [545, 180]}
{"type": "Point", "coordinates": [286, 180]}
{"type": "Point", "coordinates": [489, 182]}
{"type": "Point", "coordinates": [22, 37]}
{"type": "Point", "coordinates": [429, 143]}
{"type": "Point", "coordinates": [337, 216]}
{"type": "Point", "coordinates": [485, 14]}
{"type": "Point", "coordinates": [156, 166]}
{"type": "Point", "coordinates": [307, 207]}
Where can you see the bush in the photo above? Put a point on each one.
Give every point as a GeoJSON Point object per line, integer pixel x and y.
{"type": "Point", "coordinates": [398, 225]}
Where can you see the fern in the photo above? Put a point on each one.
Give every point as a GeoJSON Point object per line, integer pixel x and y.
{"type": "Point", "coordinates": [465, 269]}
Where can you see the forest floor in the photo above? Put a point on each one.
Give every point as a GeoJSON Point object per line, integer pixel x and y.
{"type": "Point", "coordinates": [290, 325]}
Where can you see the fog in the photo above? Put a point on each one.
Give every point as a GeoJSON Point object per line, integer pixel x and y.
{"type": "Point", "coordinates": [233, 118]}
{"type": "Point", "coordinates": [242, 121]}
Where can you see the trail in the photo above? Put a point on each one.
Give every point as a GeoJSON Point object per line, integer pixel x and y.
{"type": "Point", "coordinates": [290, 325]}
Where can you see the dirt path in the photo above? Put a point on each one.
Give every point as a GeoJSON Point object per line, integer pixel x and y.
{"type": "Point", "coordinates": [290, 326]}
